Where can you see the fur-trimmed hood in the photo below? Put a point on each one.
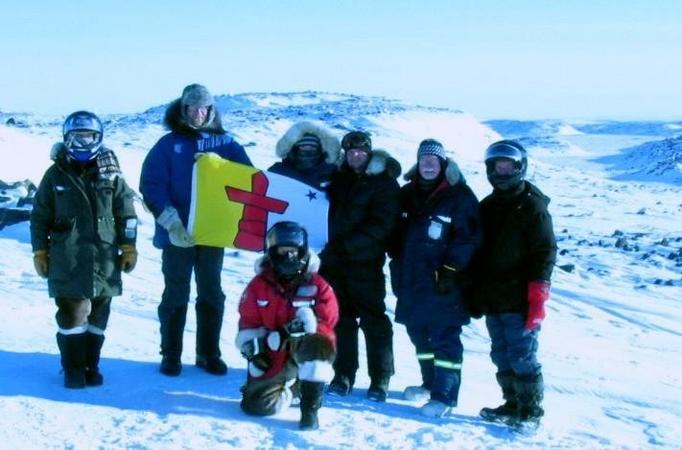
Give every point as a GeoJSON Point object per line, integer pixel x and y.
{"type": "Point", "coordinates": [313, 263]}
{"type": "Point", "coordinates": [175, 121]}
{"type": "Point", "coordinates": [452, 173]}
{"type": "Point", "coordinates": [380, 161]}
{"type": "Point", "coordinates": [331, 146]}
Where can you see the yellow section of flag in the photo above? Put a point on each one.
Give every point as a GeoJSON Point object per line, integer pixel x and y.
{"type": "Point", "coordinates": [213, 218]}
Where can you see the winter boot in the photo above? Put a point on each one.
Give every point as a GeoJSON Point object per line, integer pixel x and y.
{"type": "Point", "coordinates": [311, 401]}
{"type": "Point", "coordinates": [341, 385]}
{"type": "Point", "coordinates": [529, 394]}
{"type": "Point", "coordinates": [416, 393]}
{"type": "Point", "coordinates": [506, 411]}
{"type": "Point", "coordinates": [209, 323]}
{"type": "Point", "coordinates": [435, 409]}
{"type": "Point", "coordinates": [93, 376]}
{"type": "Point", "coordinates": [446, 383]}
{"type": "Point", "coordinates": [378, 389]}
{"type": "Point", "coordinates": [172, 328]}
{"type": "Point", "coordinates": [72, 349]}
{"type": "Point", "coordinates": [213, 364]}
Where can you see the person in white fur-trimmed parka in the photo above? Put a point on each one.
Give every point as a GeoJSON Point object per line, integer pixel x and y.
{"type": "Point", "coordinates": [310, 154]}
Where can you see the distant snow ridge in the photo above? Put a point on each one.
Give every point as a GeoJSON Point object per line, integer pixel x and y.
{"type": "Point", "coordinates": [251, 108]}
{"type": "Point", "coordinates": [637, 128]}
{"type": "Point", "coordinates": [659, 158]}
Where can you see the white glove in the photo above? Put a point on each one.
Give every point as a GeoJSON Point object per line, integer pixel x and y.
{"type": "Point", "coordinates": [307, 316]}
{"type": "Point", "coordinates": [199, 155]}
{"type": "Point", "coordinates": [178, 235]}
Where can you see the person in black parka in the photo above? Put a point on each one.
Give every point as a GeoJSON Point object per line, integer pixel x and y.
{"type": "Point", "coordinates": [513, 271]}
{"type": "Point", "coordinates": [435, 241]}
{"type": "Point", "coordinates": [310, 154]}
{"type": "Point", "coordinates": [83, 232]}
{"type": "Point", "coordinates": [364, 204]}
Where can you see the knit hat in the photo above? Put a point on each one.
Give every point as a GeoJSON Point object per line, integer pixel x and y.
{"type": "Point", "coordinates": [431, 147]}
{"type": "Point", "coordinates": [196, 95]}
{"type": "Point", "coordinates": [308, 139]}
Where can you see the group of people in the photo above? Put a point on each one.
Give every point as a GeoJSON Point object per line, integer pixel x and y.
{"type": "Point", "coordinates": [452, 258]}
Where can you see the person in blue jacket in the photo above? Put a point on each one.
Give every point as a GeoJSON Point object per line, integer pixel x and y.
{"type": "Point", "coordinates": [436, 240]}
{"type": "Point", "coordinates": [166, 185]}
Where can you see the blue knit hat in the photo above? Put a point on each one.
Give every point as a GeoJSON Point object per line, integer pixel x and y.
{"type": "Point", "coordinates": [431, 147]}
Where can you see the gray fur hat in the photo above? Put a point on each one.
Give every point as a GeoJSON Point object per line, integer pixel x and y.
{"type": "Point", "coordinates": [196, 95]}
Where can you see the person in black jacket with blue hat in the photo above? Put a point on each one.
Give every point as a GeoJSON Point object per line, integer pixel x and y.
{"type": "Point", "coordinates": [435, 241]}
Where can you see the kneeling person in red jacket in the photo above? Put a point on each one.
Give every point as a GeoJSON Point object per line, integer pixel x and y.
{"type": "Point", "coordinates": [287, 316]}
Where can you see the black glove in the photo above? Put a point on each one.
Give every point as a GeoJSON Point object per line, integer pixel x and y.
{"type": "Point", "coordinates": [446, 279]}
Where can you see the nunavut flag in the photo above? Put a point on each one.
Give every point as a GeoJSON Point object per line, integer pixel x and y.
{"type": "Point", "coordinates": [234, 205]}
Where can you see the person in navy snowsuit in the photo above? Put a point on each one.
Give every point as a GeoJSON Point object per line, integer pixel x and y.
{"type": "Point", "coordinates": [435, 241]}
{"type": "Point", "coordinates": [166, 185]}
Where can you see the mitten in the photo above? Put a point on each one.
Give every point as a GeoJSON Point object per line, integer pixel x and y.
{"type": "Point", "coordinates": [128, 258]}
{"type": "Point", "coordinates": [538, 294]}
{"type": "Point", "coordinates": [41, 262]}
{"type": "Point", "coordinates": [178, 235]}
{"type": "Point", "coordinates": [199, 155]}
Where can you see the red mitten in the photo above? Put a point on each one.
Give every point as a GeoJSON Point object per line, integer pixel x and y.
{"type": "Point", "coordinates": [538, 294]}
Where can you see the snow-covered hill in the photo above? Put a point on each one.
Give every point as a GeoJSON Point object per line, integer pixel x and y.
{"type": "Point", "coordinates": [652, 161]}
{"type": "Point", "coordinates": [611, 345]}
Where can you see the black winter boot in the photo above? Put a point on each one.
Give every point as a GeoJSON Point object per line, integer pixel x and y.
{"type": "Point", "coordinates": [341, 385]}
{"type": "Point", "coordinates": [209, 323]}
{"type": "Point", "coordinates": [378, 389]}
{"type": "Point", "coordinates": [93, 377]}
{"type": "Point", "coordinates": [311, 401]}
{"type": "Point", "coordinates": [529, 395]}
{"type": "Point", "coordinates": [172, 328]}
{"type": "Point", "coordinates": [506, 411]}
{"type": "Point", "coordinates": [72, 350]}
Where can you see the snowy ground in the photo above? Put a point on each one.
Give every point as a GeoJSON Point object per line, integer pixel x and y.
{"type": "Point", "coordinates": [611, 345]}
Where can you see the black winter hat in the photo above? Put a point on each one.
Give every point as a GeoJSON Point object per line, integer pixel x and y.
{"type": "Point", "coordinates": [357, 139]}
{"type": "Point", "coordinates": [308, 139]}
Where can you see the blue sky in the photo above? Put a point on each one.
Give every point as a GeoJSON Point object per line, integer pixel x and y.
{"type": "Point", "coordinates": [495, 59]}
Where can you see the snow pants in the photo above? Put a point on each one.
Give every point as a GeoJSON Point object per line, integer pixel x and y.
{"type": "Point", "coordinates": [512, 347]}
{"type": "Point", "coordinates": [360, 288]}
{"type": "Point", "coordinates": [177, 266]}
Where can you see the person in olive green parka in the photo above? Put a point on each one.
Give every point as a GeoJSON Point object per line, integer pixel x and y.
{"type": "Point", "coordinates": [83, 232]}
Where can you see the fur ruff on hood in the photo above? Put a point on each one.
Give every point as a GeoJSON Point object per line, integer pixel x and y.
{"type": "Point", "coordinates": [173, 120]}
{"type": "Point", "coordinates": [313, 263]}
{"type": "Point", "coordinates": [452, 173]}
{"type": "Point", "coordinates": [380, 161]}
{"type": "Point", "coordinates": [331, 147]}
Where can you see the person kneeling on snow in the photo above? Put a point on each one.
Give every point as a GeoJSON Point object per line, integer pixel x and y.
{"type": "Point", "coordinates": [83, 232]}
{"type": "Point", "coordinates": [287, 316]}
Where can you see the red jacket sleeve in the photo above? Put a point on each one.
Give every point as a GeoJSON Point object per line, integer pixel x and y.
{"type": "Point", "coordinates": [326, 309]}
